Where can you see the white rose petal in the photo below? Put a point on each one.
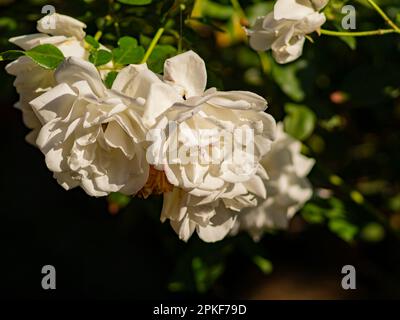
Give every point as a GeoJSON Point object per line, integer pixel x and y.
{"type": "Point", "coordinates": [91, 136]}
{"type": "Point", "coordinates": [287, 188]}
{"type": "Point", "coordinates": [31, 79]}
{"type": "Point", "coordinates": [205, 193]}
{"type": "Point", "coordinates": [284, 29]}
{"type": "Point", "coordinates": [63, 25]}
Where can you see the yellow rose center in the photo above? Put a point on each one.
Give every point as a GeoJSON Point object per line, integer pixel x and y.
{"type": "Point", "coordinates": [157, 183]}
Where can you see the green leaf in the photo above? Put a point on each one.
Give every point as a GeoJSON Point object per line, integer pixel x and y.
{"type": "Point", "coordinates": [135, 2]}
{"type": "Point", "coordinates": [110, 78]}
{"type": "Point", "coordinates": [206, 274]}
{"type": "Point", "coordinates": [257, 10]}
{"type": "Point", "coordinates": [343, 229]}
{"type": "Point", "coordinates": [8, 23]}
{"type": "Point", "coordinates": [128, 51]}
{"type": "Point", "coordinates": [216, 10]}
{"type": "Point", "coordinates": [287, 80]}
{"type": "Point", "coordinates": [373, 232]}
{"type": "Point", "coordinates": [144, 41]}
{"type": "Point", "coordinates": [46, 55]}
{"type": "Point", "coordinates": [313, 213]}
{"type": "Point", "coordinates": [264, 264]}
{"type": "Point", "coordinates": [119, 198]}
{"type": "Point", "coordinates": [176, 286]}
{"type": "Point", "coordinates": [11, 55]}
{"type": "Point", "coordinates": [337, 209]}
{"type": "Point", "coordinates": [158, 57]}
{"type": "Point", "coordinates": [350, 41]}
{"type": "Point", "coordinates": [126, 42]}
{"type": "Point", "coordinates": [117, 201]}
{"type": "Point", "coordinates": [92, 41]}
{"type": "Point", "coordinates": [394, 203]}
{"type": "Point", "coordinates": [300, 121]}
{"type": "Point", "coordinates": [100, 57]}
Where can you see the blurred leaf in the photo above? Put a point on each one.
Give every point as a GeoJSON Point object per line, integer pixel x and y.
{"type": "Point", "coordinates": [216, 10]}
{"type": "Point", "coordinates": [373, 232]}
{"type": "Point", "coordinates": [247, 57]}
{"type": "Point", "coordinates": [213, 80]}
{"type": "Point", "coordinates": [357, 197]}
{"type": "Point", "coordinates": [206, 274]}
{"type": "Point", "coordinates": [157, 58]}
{"type": "Point", "coordinates": [100, 57]}
{"type": "Point", "coordinates": [110, 78]}
{"type": "Point", "coordinates": [343, 229]}
{"type": "Point", "coordinates": [394, 203]}
{"type": "Point", "coordinates": [176, 286]}
{"type": "Point", "coordinates": [264, 264]}
{"type": "Point", "coordinates": [337, 209]}
{"type": "Point", "coordinates": [135, 2]}
{"type": "Point", "coordinates": [46, 55]}
{"type": "Point", "coordinates": [117, 201]}
{"type": "Point", "coordinates": [144, 41]}
{"type": "Point", "coordinates": [316, 143]}
{"type": "Point", "coordinates": [286, 78]}
{"type": "Point", "coordinates": [257, 10]}
{"type": "Point", "coordinates": [299, 121]}
{"type": "Point", "coordinates": [208, 22]}
{"type": "Point", "coordinates": [350, 41]}
{"type": "Point", "coordinates": [372, 186]}
{"type": "Point", "coordinates": [312, 213]}
{"type": "Point", "coordinates": [334, 122]}
{"type": "Point", "coordinates": [9, 23]}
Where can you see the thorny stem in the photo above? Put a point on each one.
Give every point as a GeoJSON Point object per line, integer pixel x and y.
{"type": "Point", "coordinates": [152, 44]}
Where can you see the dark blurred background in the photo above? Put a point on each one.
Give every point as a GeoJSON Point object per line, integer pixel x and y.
{"type": "Point", "coordinates": [99, 253]}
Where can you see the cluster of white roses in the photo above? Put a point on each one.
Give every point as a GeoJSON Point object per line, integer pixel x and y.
{"type": "Point", "coordinates": [99, 138]}
{"type": "Point", "coordinates": [283, 30]}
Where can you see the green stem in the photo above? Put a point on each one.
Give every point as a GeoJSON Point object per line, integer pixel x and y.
{"type": "Point", "coordinates": [383, 15]}
{"type": "Point", "coordinates": [152, 44]}
{"type": "Point", "coordinates": [181, 8]}
{"type": "Point", "coordinates": [98, 35]}
{"type": "Point", "coordinates": [238, 8]}
{"type": "Point", "coordinates": [357, 33]}
{"type": "Point", "coordinates": [265, 64]}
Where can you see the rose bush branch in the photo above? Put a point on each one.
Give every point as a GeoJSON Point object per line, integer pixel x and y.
{"type": "Point", "coordinates": [395, 28]}
{"type": "Point", "coordinates": [357, 34]}
{"type": "Point", "coordinates": [384, 15]}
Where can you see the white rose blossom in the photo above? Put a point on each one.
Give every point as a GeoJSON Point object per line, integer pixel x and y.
{"type": "Point", "coordinates": [91, 136]}
{"type": "Point", "coordinates": [31, 79]}
{"type": "Point", "coordinates": [283, 30]}
{"type": "Point", "coordinates": [287, 188]}
{"type": "Point", "coordinates": [206, 195]}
